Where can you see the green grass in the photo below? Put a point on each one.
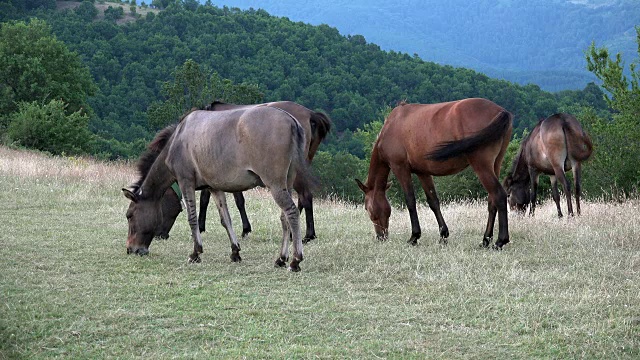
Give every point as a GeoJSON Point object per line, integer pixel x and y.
{"type": "Point", "coordinates": [564, 288]}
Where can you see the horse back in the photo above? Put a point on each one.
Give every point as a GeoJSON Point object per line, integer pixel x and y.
{"type": "Point", "coordinates": [413, 131]}
{"type": "Point", "coordinates": [226, 150]}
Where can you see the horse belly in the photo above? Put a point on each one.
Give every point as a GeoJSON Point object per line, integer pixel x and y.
{"type": "Point", "coordinates": [230, 181]}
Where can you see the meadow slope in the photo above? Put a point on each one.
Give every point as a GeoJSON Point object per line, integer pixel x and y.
{"type": "Point", "coordinates": [564, 288]}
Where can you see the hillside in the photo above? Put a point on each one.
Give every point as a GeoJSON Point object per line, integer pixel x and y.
{"type": "Point", "coordinates": [102, 6]}
{"type": "Point", "coordinates": [541, 42]}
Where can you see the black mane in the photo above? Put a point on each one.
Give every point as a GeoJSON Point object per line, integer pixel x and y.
{"type": "Point", "coordinates": [153, 150]}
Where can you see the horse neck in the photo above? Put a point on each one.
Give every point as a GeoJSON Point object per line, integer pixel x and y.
{"type": "Point", "coordinates": [378, 171]}
{"type": "Point", "coordinates": [520, 171]}
{"type": "Point", "coordinates": [158, 179]}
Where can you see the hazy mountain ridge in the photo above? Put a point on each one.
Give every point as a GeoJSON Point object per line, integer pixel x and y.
{"type": "Point", "coordinates": [542, 42]}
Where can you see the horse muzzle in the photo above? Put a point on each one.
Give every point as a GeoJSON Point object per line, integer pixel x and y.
{"type": "Point", "coordinates": [382, 235]}
{"type": "Point", "coordinates": [138, 251]}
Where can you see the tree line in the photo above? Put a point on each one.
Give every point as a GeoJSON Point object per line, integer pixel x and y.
{"type": "Point", "coordinates": [113, 86]}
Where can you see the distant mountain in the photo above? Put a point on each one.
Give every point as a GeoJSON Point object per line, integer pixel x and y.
{"type": "Point", "coordinates": [541, 42]}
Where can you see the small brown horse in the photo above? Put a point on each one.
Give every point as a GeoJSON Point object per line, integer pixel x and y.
{"type": "Point", "coordinates": [316, 126]}
{"type": "Point", "coordinates": [557, 144]}
{"type": "Point", "coordinates": [224, 152]}
{"type": "Point", "coordinates": [438, 140]}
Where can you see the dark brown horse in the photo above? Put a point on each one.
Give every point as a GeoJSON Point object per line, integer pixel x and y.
{"type": "Point", "coordinates": [224, 152]}
{"type": "Point", "coordinates": [316, 126]}
{"type": "Point", "coordinates": [556, 145]}
{"type": "Point", "coordinates": [438, 140]}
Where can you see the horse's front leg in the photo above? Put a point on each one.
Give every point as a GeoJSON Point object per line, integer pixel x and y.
{"type": "Point", "coordinates": [434, 204]}
{"type": "Point", "coordinates": [225, 219]}
{"type": "Point", "coordinates": [404, 177]}
{"type": "Point", "coordinates": [189, 195]}
{"type": "Point", "coordinates": [290, 219]}
{"type": "Point", "coordinates": [533, 175]}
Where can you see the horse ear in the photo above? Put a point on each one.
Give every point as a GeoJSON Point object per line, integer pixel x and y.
{"type": "Point", "coordinates": [362, 186]}
{"type": "Point", "coordinates": [388, 186]}
{"type": "Point", "coordinates": [130, 195]}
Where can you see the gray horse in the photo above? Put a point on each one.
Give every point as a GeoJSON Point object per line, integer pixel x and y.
{"type": "Point", "coordinates": [223, 151]}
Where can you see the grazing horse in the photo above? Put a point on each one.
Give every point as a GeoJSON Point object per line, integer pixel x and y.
{"type": "Point", "coordinates": [438, 140]}
{"type": "Point", "coordinates": [222, 151]}
{"type": "Point", "coordinates": [316, 126]}
{"type": "Point", "coordinates": [555, 145]}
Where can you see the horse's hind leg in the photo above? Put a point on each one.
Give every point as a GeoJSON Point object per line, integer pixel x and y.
{"type": "Point", "coordinates": [305, 201]}
{"type": "Point", "coordinates": [556, 194]}
{"type": "Point", "coordinates": [577, 179]}
{"type": "Point", "coordinates": [497, 204]}
{"type": "Point", "coordinates": [290, 219]}
{"type": "Point", "coordinates": [246, 225]}
{"type": "Point", "coordinates": [225, 219]}
{"type": "Point", "coordinates": [559, 173]}
{"type": "Point", "coordinates": [434, 204]}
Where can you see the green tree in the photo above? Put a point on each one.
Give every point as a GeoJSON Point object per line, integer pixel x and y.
{"type": "Point", "coordinates": [35, 66]}
{"type": "Point", "coordinates": [195, 87]}
{"type": "Point", "coordinates": [49, 128]}
{"type": "Point", "coordinates": [617, 141]}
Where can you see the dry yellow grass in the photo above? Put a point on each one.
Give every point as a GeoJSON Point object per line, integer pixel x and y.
{"type": "Point", "coordinates": [564, 288]}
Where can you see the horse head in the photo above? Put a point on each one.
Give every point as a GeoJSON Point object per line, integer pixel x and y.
{"type": "Point", "coordinates": [518, 194]}
{"type": "Point", "coordinates": [378, 207]}
{"type": "Point", "coordinates": [143, 217]}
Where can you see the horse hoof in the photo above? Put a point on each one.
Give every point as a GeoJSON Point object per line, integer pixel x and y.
{"type": "Point", "coordinates": [293, 268]}
{"type": "Point", "coordinates": [499, 244]}
{"type": "Point", "coordinates": [280, 263]}
{"type": "Point", "coordinates": [444, 232]}
{"type": "Point", "coordinates": [443, 241]}
{"type": "Point", "coordinates": [486, 242]}
{"type": "Point", "coordinates": [194, 259]}
{"type": "Point", "coordinates": [235, 257]}
{"type": "Point", "coordinates": [413, 241]}
{"type": "Point", "coordinates": [245, 234]}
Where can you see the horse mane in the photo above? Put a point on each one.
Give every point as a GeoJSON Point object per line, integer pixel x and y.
{"type": "Point", "coordinates": [212, 106]}
{"type": "Point", "coordinates": [154, 149]}
{"type": "Point", "coordinates": [402, 102]}
{"type": "Point", "coordinates": [519, 171]}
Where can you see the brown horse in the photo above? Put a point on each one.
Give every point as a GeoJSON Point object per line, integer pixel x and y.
{"type": "Point", "coordinates": [557, 144]}
{"type": "Point", "coordinates": [438, 140]}
{"type": "Point", "coordinates": [224, 152]}
{"type": "Point", "coordinates": [316, 126]}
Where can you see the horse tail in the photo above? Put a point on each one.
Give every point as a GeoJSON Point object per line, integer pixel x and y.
{"type": "Point", "coordinates": [320, 125]}
{"type": "Point", "coordinates": [300, 163]}
{"type": "Point", "coordinates": [495, 131]}
{"type": "Point", "coordinates": [579, 143]}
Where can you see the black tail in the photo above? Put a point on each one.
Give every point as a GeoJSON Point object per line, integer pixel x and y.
{"type": "Point", "coordinates": [303, 170]}
{"type": "Point", "coordinates": [320, 125]}
{"type": "Point", "coordinates": [491, 133]}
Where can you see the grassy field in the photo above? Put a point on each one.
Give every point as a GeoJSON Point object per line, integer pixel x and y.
{"type": "Point", "coordinates": [564, 288]}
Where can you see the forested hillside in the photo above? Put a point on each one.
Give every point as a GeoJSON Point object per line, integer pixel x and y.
{"type": "Point", "coordinates": [540, 42]}
{"type": "Point", "coordinates": [111, 77]}
{"type": "Point", "coordinates": [345, 76]}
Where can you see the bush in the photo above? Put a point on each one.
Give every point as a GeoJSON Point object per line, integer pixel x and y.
{"type": "Point", "coordinates": [48, 128]}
